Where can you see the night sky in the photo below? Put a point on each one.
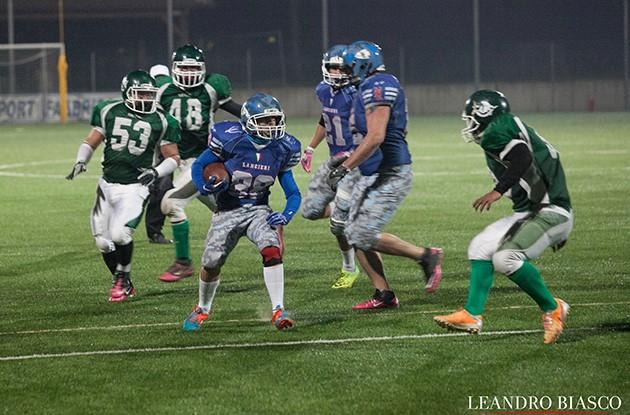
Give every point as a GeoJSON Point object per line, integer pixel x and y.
{"type": "Point", "coordinates": [432, 38]}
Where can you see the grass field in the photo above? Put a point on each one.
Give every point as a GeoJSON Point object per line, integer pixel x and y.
{"type": "Point", "coordinates": [65, 349]}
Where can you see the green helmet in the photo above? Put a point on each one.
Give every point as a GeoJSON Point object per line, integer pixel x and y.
{"type": "Point", "coordinates": [139, 92]}
{"type": "Point", "coordinates": [189, 67]}
{"type": "Point", "coordinates": [482, 107]}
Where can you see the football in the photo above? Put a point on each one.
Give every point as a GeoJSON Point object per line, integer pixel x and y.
{"type": "Point", "coordinates": [215, 169]}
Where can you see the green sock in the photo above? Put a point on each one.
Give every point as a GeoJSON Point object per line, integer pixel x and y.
{"type": "Point", "coordinates": [480, 284]}
{"type": "Point", "coordinates": [180, 235]}
{"type": "Point", "coordinates": [528, 278]}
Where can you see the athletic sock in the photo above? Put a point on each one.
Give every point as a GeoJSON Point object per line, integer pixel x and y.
{"type": "Point", "coordinates": [125, 252]}
{"type": "Point", "coordinates": [207, 290]}
{"type": "Point", "coordinates": [274, 281]}
{"type": "Point", "coordinates": [180, 235]}
{"type": "Point", "coordinates": [480, 284]}
{"type": "Point", "coordinates": [529, 279]}
{"type": "Point", "coordinates": [348, 260]}
{"type": "Point", "coordinates": [111, 260]}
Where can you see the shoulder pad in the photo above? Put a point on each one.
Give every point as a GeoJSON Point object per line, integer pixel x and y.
{"type": "Point", "coordinates": [221, 84]}
{"type": "Point", "coordinates": [291, 143]}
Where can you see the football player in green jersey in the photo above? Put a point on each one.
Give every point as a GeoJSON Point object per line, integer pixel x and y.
{"type": "Point", "coordinates": [192, 96]}
{"type": "Point", "coordinates": [132, 130]}
{"type": "Point", "coordinates": [527, 169]}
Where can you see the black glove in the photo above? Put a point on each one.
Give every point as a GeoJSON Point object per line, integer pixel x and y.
{"type": "Point", "coordinates": [148, 176]}
{"type": "Point", "coordinates": [78, 168]}
{"type": "Point", "coordinates": [336, 160]}
{"type": "Point", "coordinates": [335, 176]}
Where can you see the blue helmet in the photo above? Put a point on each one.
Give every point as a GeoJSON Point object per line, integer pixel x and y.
{"type": "Point", "coordinates": [333, 59]}
{"type": "Point", "coordinates": [363, 58]}
{"type": "Point", "coordinates": [261, 107]}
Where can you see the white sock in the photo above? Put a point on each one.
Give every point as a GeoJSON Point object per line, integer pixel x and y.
{"type": "Point", "coordinates": [207, 290]}
{"type": "Point", "coordinates": [274, 280]}
{"type": "Point", "coordinates": [348, 260]}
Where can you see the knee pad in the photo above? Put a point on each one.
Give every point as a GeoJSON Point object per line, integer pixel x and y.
{"type": "Point", "coordinates": [508, 261]}
{"type": "Point", "coordinates": [122, 235]}
{"type": "Point", "coordinates": [173, 208]}
{"type": "Point", "coordinates": [271, 256]}
{"type": "Point", "coordinates": [105, 246]}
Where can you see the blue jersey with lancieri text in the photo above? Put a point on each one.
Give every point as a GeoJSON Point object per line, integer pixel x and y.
{"type": "Point", "coordinates": [336, 109]}
{"type": "Point", "coordinates": [253, 169]}
{"type": "Point", "coordinates": [383, 89]}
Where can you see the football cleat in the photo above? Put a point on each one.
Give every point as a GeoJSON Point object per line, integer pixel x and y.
{"type": "Point", "coordinates": [158, 238]}
{"type": "Point", "coordinates": [195, 319]}
{"type": "Point", "coordinates": [122, 288]}
{"type": "Point", "coordinates": [280, 318]}
{"type": "Point", "coordinates": [553, 322]}
{"type": "Point", "coordinates": [460, 320]}
{"type": "Point", "coordinates": [381, 299]}
{"type": "Point", "coordinates": [431, 265]}
{"type": "Point", "coordinates": [346, 279]}
{"type": "Point", "coordinates": [176, 272]}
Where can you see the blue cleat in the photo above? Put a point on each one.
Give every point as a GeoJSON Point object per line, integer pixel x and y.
{"type": "Point", "coordinates": [195, 319]}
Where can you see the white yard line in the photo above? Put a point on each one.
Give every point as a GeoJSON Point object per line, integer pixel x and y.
{"type": "Point", "coordinates": [211, 321]}
{"type": "Point", "coordinates": [276, 344]}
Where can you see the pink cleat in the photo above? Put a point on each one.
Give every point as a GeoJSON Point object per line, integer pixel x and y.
{"type": "Point", "coordinates": [122, 288]}
{"type": "Point", "coordinates": [176, 272]}
{"type": "Point", "coordinates": [381, 299]}
{"type": "Point", "coordinates": [431, 265]}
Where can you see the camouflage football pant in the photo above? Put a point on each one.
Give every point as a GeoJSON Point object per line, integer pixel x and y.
{"type": "Point", "coordinates": [229, 226]}
{"type": "Point", "coordinates": [320, 195]}
{"type": "Point", "coordinates": [376, 198]}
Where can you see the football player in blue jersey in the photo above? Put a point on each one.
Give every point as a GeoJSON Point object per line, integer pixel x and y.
{"type": "Point", "coordinates": [380, 117]}
{"type": "Point", "coordinates": [336, 95]}
{"type": "Point", "coordinates": [254, 152]}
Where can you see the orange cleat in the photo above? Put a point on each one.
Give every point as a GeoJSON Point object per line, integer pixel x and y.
{"type": "Point", "coordinates": [553, 321]}
{"type": "Point", "coordinates": [460, 320]}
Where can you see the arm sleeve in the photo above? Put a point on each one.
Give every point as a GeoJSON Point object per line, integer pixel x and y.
{"type": "Point", "coordinates": [518, 159]}
{"type": "Point", "coordinates": [196, 171]}
{"type": "Point", "coordinates": [232, 107]}
{"type": "Point", "coordinates": [291, 192]}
